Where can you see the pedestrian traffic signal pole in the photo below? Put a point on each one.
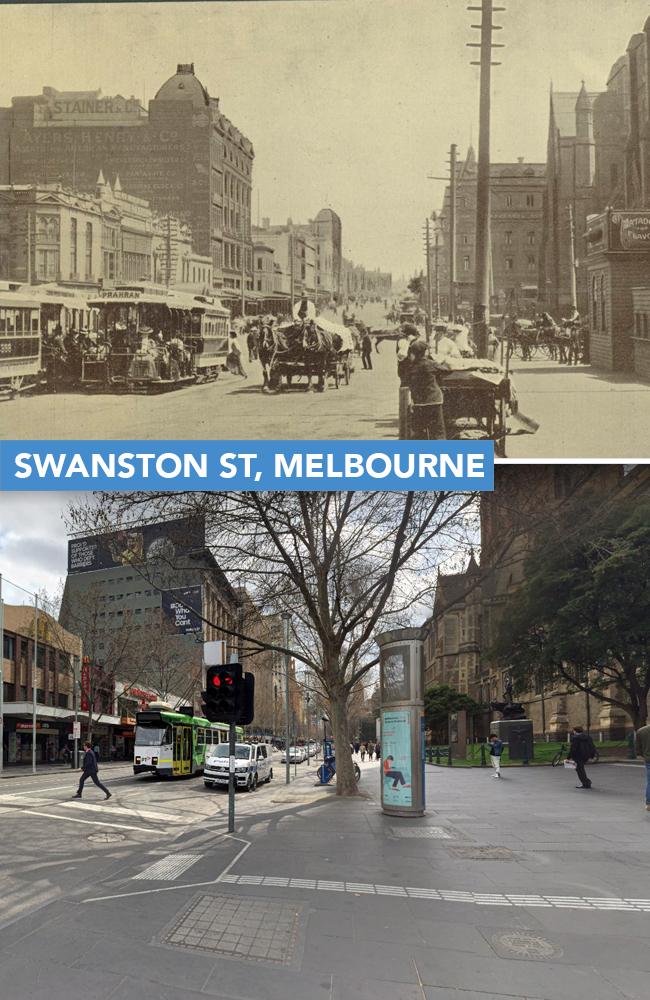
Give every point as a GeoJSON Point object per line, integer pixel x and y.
{"type": "Point", "coordinates": [231, 778]}
{"type": "Point", "coordinates": [229, 697]}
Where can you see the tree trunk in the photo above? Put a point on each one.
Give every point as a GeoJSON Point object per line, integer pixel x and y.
{"type": "Point", "coordinates": [345, 782]}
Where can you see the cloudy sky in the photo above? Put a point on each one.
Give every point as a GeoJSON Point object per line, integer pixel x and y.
{"type": "Point", "coordinates": [33, 542]}
{"type": "Point", "coordinates": [349, 103]}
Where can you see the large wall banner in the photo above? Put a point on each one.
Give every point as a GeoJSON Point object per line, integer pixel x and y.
{"type": "Point", "coordinates": [396, 755]}
{"type": "Point", "coordinates": [182, 607]}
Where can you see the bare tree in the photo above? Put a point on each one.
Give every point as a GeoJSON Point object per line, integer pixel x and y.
{"type": "Point", "coordinates": [343, 565]}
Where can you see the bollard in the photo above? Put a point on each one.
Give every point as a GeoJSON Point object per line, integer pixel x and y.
{"type": "Point", "coordinates": [483, 760]}
{"type": "Point", "coordinates": [449, 760]}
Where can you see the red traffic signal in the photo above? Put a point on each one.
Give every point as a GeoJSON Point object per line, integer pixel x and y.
{"type": "Point", "coordinates": [224, 694]}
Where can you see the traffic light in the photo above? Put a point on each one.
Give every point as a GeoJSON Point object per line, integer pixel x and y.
{"type": "Point", "coordinates": [248, 706]}
{"type": "Point", "coordinates": [224, 693]}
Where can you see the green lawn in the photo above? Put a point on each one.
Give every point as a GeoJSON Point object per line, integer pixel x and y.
{"type": "Point", "coordinates": [543, 754]}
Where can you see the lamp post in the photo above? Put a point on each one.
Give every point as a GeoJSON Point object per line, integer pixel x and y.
{"type": "Point", "coordinates": [286, 619]}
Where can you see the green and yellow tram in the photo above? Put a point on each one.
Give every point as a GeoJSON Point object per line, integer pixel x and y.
{"type": "Point", "coordinates": [172, 744]}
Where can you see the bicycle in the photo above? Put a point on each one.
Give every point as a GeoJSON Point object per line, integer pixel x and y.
{"type": "Point", "coordinates": [327, 770]}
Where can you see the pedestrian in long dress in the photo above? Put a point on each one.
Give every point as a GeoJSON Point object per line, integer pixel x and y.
{"type": "Point", "coordinates": [234, 357]}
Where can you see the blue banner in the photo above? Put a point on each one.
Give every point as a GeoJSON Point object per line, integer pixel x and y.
{"type": "Point", "coordinates": [246, 465]}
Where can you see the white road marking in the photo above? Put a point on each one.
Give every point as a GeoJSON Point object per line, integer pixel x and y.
{"type": "Point", "coordinates": [601, 903]}
{"type": "Point", "coordinates": [169, 868]}
{"type": "Point", "coordinates": [93, 822]}
{"type": "Point", "coordinates": [124, 811]}
{"type": "Point", "coordinates": [222, 877]}
{"type": "Point", "coordinates": [35, 791]}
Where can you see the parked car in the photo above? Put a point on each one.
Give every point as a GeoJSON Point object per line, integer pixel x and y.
{"type": "Point", "coordinates": [296, 755]}
{"type": "Point", "coordinates": [252, 765]}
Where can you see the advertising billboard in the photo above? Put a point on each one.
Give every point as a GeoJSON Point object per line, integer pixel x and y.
{"type": "Point", "coordinates": [629, 231]}
{"type": "Point", "coordinates": [182, 607]}
{"type": "Point", "coordinates": [136, 545]}
{"type": "Point", "coordinates": [396, 757]}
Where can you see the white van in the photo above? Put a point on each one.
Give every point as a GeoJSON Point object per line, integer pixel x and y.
{"type": "Point", "coordinates": [252, 765]}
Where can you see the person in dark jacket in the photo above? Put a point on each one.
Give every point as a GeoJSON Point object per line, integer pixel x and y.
{"type": "Point", "coordinates": [581, 750]}
{"type": "Point", "coordinates": [89, 770]}
{"type": "Point", "coordinates": [366, 350]}
{"type": "Point", "coordinates": [426, 395]}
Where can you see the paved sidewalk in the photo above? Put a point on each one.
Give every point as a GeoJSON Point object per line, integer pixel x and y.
{"type": "Point", "coordinates": [518, 888]}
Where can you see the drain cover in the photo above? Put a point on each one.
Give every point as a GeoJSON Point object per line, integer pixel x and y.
{"type": "Point", "coordinates": [522, 945]}
{"type": "Point", "coordinates": [253, 929]}
{"type": "Point", "coordinates": [106, 838]}
{"type": "Point", "coordinates": [483, 853]}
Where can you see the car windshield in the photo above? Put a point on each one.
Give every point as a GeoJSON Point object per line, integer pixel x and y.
{"type": "Point", "coordinates": [242, 751]}
{"type": "Point", "coordinates": [151, 736]}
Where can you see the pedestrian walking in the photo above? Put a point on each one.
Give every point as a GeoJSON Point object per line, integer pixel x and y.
{"type": "Point", "coordinates": [251, 343]}
{"type": "Point", "coordinates": [642, 745]}
{"type": "Point", "coordinates": [233, 360]}
{"type": "Point", "coordinates": [90, 771]}
{"type": "Point", "coordinates": [378, 751]}
{"type": "Point", "coordinates": [496, 749]}
{"type": "Point", "coordinates": [366, 350]}
{"type": "Point", "coordinates": [363, 753]}
{"type": "Point", "coordinates": [369, 748]}
{"type": "Point", "coordinates": [356, 746]}
{"type": "Point", "coordinates": [581, 750]}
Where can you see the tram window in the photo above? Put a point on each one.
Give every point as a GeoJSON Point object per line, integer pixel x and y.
{"type": "Point", "coordinates": [34, 322]}
{"type": "Point", "coordinates": [200, 737]}
{"type": "Point", "coordinates": [152, 735]}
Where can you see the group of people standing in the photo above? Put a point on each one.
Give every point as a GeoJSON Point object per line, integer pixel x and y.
{"type": "Point", "coordinates": [368, 750]}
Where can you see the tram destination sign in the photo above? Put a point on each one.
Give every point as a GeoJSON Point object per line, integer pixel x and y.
{"type": "Point", "coordinates": [137, 545]}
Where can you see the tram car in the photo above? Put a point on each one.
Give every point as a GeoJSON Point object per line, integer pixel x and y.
{"type": "Point", "coordinates": [173, 744]}
{"type": "Point", "coordinates": [152, 339]}
{"type": "Point", "coordinates": [20, 342]}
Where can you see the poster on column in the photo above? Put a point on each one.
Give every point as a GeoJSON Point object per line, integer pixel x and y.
{"type": "Point", "coordinates": [396, 752]}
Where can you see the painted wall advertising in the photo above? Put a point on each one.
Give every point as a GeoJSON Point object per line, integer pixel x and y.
{"type": "Point", "coordinates": [396, 754]}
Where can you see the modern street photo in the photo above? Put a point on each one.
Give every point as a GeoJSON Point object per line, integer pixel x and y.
{"type": "Point", "coordinates": [328, 745]}
{"type": "Point", "coordinates": [344, 219]}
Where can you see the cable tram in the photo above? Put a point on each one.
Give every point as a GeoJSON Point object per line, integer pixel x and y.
{"type": "Point", "coordinates": [20, 342]}
{"type": "Point", "coordinates": [173, 744]}
{"type": "Point", "coordinates": [153, 338]}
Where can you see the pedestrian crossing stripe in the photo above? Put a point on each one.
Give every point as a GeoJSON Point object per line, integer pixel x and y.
{"type": "Point", "coordinates": [600, 903]}
{"type": "Point", "coordinates": [168, 868]}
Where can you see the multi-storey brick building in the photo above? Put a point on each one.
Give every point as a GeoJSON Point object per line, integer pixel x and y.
{"type": "Point", "coordinates": [516, 213]}
{"type": "Point", "coordinates": [181, 154]}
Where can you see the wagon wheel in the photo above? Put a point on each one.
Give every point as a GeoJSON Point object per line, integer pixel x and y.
{"type": "Point", "coordinates": [337, 376]}
{"type": "Point", "coordinates": [346, 372]}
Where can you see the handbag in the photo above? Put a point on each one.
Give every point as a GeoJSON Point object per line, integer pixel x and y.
{"type": "Point", "coordinates": [570, 764]}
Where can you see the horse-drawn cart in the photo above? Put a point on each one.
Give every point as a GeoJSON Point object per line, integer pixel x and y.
{"type": "Point", "coordinates": [299, 354]}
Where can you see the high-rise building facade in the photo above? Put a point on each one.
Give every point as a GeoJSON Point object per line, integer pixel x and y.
{"type": "Point", "coordinates": [182, 154]}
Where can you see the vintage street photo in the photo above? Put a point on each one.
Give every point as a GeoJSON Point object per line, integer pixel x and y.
{"type": "Point", "coordinates": [337, 219]}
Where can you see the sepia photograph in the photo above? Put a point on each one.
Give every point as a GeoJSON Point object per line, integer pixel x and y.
{"type": "Point", "coordinates": [333, 219]}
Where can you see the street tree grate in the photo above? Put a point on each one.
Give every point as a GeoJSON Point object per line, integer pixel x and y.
{"type": "Point", "coordinates": [518, 944]}
{"type": "Point", "coordinates": [483, 853]}
{"type": "Point", "coordinates": [249, 929]}
{"type": "Point", "coordinates": [429, 832]}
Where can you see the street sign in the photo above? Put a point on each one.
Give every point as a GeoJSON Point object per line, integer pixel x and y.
{"type": "Point", "coordinates": [76, 730]}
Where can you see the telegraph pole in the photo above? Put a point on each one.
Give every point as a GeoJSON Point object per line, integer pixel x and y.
{"type": "Point", "coordinates": [574, 282]}
{"type": "Point", "coordinates": [482, 284]}
{"type": "Point", "coordinates": [453, 150]}
{"type": "Point", "coordinates": [427, 250]}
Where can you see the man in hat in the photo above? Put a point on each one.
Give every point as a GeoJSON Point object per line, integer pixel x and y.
{"type": "Point", "coordinates": [427, 399]}
{"type": "Point", "coordinates": [408, 336]}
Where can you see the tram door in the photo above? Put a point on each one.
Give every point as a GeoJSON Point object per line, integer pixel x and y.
{"type": "Point", "coordinates": [182, 750]}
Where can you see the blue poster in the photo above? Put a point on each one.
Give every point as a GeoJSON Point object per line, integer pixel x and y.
{"type": "Point", "coordinates": [396, 752]}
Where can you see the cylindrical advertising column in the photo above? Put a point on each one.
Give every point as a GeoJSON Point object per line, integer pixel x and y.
{"type": "Point", "coordinates": [402, 721]}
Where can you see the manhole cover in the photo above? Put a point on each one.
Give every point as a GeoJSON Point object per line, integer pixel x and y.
{"type": "Point", "coordinates": [432, 832]}
{"type": "Point", "coordinates": [106, 838]}
{"type": "Point", "coordinates": [483, 853]}
{"type": "Point", "coordinates": [254, 929]}
{"type": "Point", "coordinates": [524, 945]}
